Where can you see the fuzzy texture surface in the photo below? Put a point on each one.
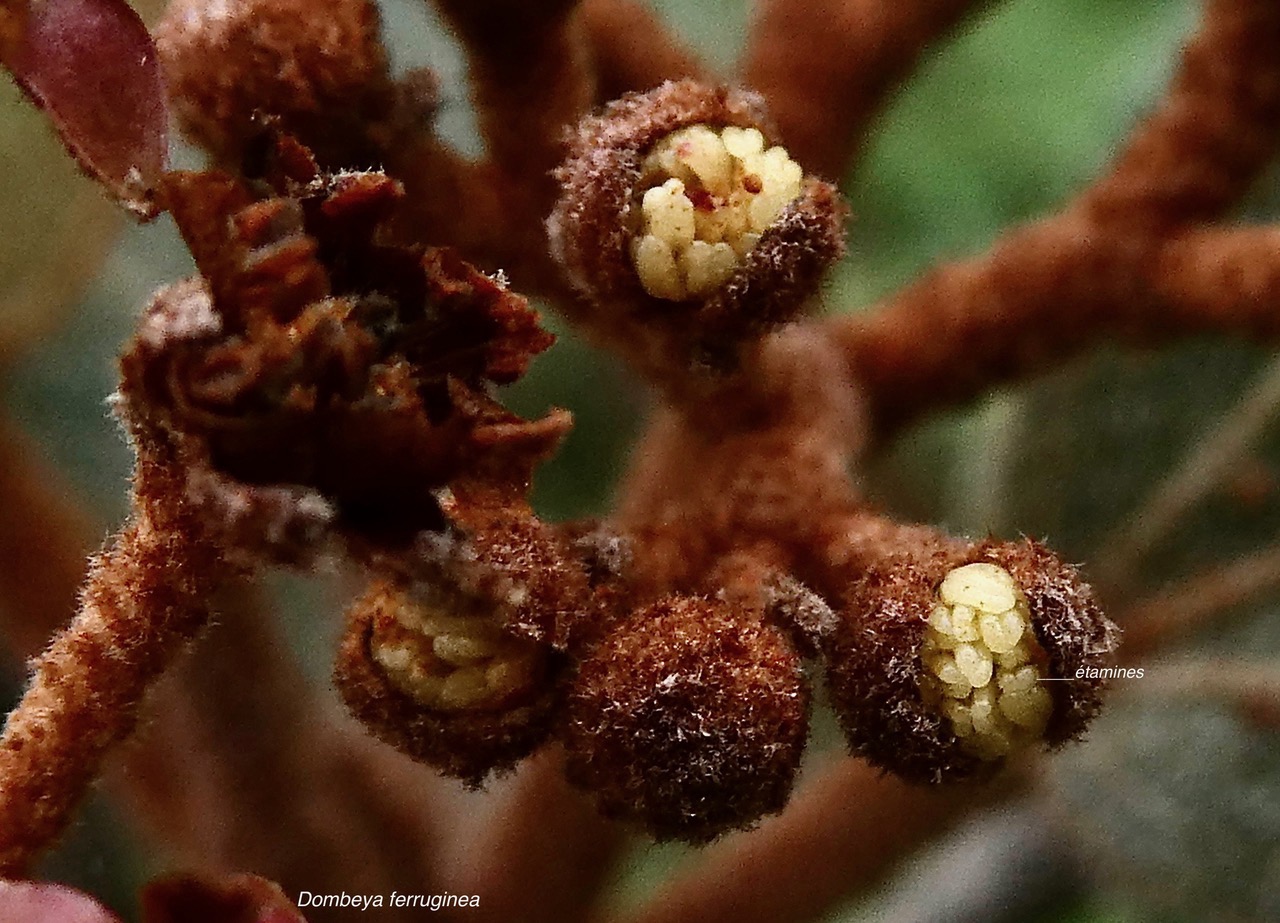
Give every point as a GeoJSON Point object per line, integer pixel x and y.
{"type": "Point", "coordinates": [327, 384]}
{"type": "Point", "coordinates": [592, 228]}
{"type": "Point", "coordinates": [876, 676]}
{"type": "Point", "coordinates": [147, 596]}
{"type": "Point", "coordinates": [325, 78]}
{"type": "Point", "coordinates": [400, 344]}
{"type": "Point", "coordinates": [689, 718]}
{"type": "Point", "coordinates": [467, 743]}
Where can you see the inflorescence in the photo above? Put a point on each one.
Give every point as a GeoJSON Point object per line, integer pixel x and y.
{"type": "Point", "coordinates": [325, 391]}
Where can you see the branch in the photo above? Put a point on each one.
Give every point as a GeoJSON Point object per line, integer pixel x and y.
{"type": "Point", "coordinates": [1211, 136]}
{"type": "Point", "coordinates": [1101, 267]}
{"type": "Point", "coordinates": [530, 80]}
{"type": "Point", "coordinates": [145, 600]}
{"type": "Point", "coordinates": [242, 767]}
{"type": "Point", "coordinates": [813, 59]}
{"type": "Point", "coordinates": [545, 853]}
{"type": "Point", "coordinates": [233, 735]}
{"type": "Point", "coordinates": [1035, 299]}
{"type": "Point", "coordinates": [633, 49]}
{"type": "Point", "coordinates": [1044, 294]}
{"type": "Point", "coordinates": [841, 833]}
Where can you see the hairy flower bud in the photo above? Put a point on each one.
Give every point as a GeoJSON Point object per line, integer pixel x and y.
{"type": "Point", "coordinates": [324, 75]}
{"type": "Point", "coordinates": [942, 667]}
{"type": "Point", "coordinates": [434, 674]}
{"type": "Point", "coordinates": [689, 717]}
{"type": "Point", "coordinates": [678, 211]}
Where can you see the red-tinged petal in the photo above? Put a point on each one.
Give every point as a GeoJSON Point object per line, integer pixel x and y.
{"type": "Point", "coordinates": [35, 902]}
{"type": "Point", "coordinates": [239, 898]}
{"type": "Point", "coordinates": [91, 65]}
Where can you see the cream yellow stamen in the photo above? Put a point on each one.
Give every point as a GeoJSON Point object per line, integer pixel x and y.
{"type": "Point", "coordinates": [707, 197]}
{"type": "Point", "coordinates": [450, 662]}
{"type": "Point", "coordinates": [977, 656]}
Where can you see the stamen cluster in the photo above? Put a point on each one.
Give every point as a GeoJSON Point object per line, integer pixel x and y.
{"type": "Point", "coordinates": [707, 197]}
{"type": "Point", "coordinates": [449, 661]}
{"type": "Point", "coordinates": [983, 664]}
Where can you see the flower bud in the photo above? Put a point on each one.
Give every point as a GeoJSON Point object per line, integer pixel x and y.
{"type": "Point", "coordinates": [689, 717]}
{"type": "Point", "coordinates": [943, 667]}
{"type": "Point", "coordinates": [435, 675]}
{"type": "Point", "coordinates": [677, 210]}
{"type": "Point", "coordinates": [324, 74]}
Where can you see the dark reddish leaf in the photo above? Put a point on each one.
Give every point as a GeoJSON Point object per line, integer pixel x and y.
{"type": "Point", "coordinates": [37, 902]}
{"type": "Point", "coordinates": [237, 898]}
{"type": "Point", "coordinates": [91, 65]}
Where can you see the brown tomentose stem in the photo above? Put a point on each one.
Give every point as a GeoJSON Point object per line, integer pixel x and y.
{"type": "Point", "coordinates": [841, 833]}
{"type": "Point", "coordinates": [632, 48]}
{"type": "Point", "coordinates": [530, 79]}
{"type": "Point", "coordinates": [1047, 290]}
{"type": "Point", "coordinates": [855, 52]}
{"type": "Point", "coordinates": [1215, 280]}
{"type": "Point", "coordinates": [545, 853]}
{"type": "Point", "coordinates": [240, 767]}
{"type": "Point", "coordinates": [454, 202]}
{"type": "Point", "coordinates": [1215, 131]}
{"type": "Point", "coordinates": [234, 734]}
{"type": "Point", "coordinates": [1036, 297]}
{"type": "Point", "coordinates": [145, 599]}
{"type": "Point", "coordinates": [1043, 294]}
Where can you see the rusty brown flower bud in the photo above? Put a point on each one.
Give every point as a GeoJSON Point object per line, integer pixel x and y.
{"type": "Point", "coordinates": [324, 74]}
{"type": "Point", "coordinates": [943, 666]}
{"type": "Point", "coordinates": [690, 718]}
{"type": "Point", "coordinates": [434, 674]}
{"type": "Point", "coordinates": [678, 210]}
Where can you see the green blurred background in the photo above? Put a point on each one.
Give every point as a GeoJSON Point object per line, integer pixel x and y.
{"type": "Point", "coordinates": [1172, 811]}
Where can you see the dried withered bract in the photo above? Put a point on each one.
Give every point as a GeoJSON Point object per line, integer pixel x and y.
{"type": "Point", "coordinates": [679, 212]}
{"type": "Point", "coordinates": [314, 357]}
{"type": "Point", "coordinates": [324, 74]}
{"type": "Point", "coordinates": [945, 665]}
{"type": "Point", "coordinates": [433, 673]}
{"type": "Point", "coordinates": [689, 717]}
